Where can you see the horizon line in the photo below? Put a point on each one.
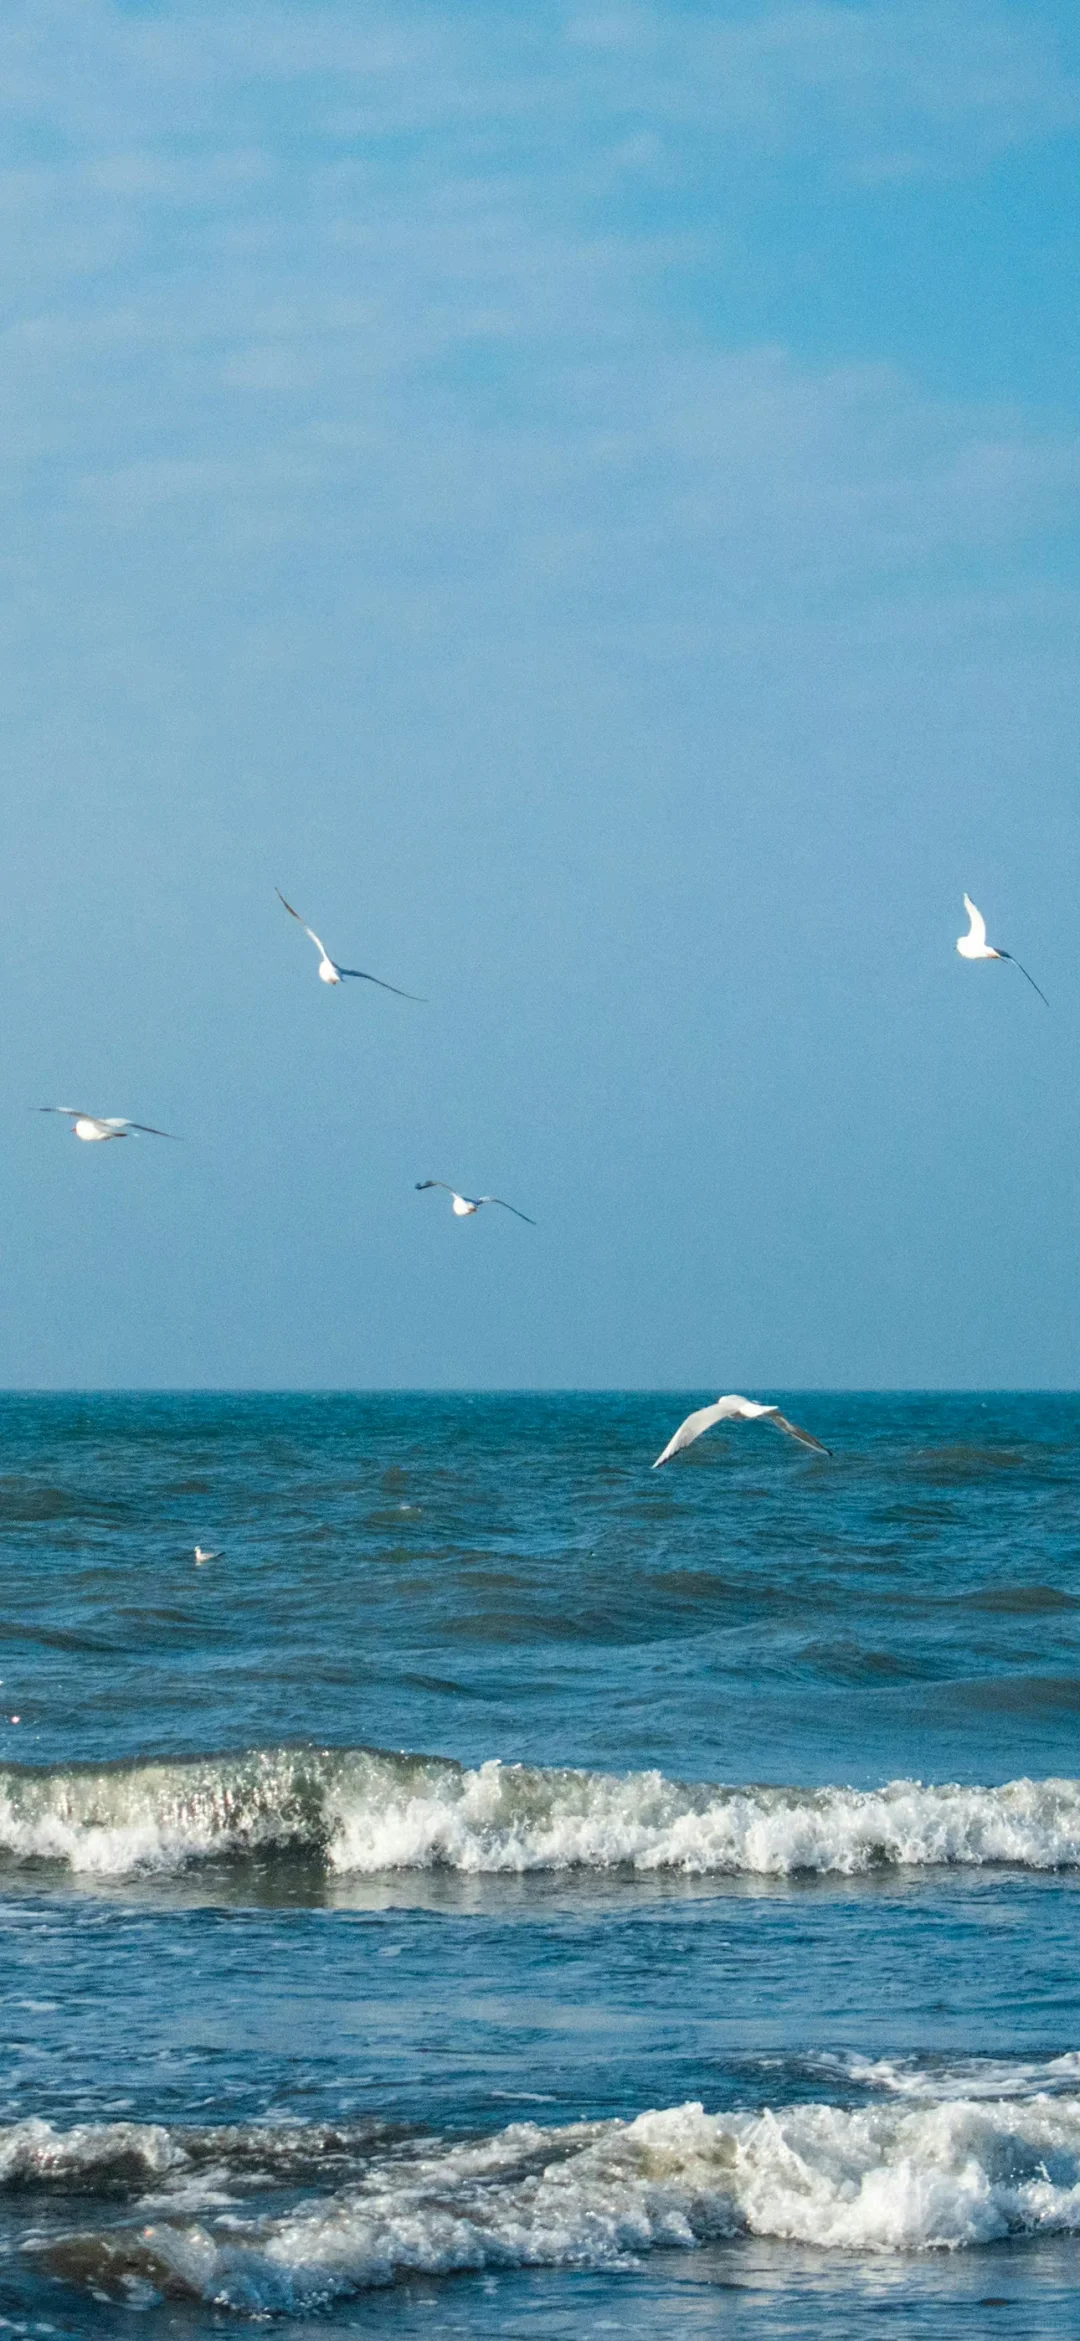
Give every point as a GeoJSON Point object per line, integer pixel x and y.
{"type": "Point", "coordinates": [981, 1390]}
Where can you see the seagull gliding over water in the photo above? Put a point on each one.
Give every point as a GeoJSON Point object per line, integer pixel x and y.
{"type": "Point", "coordinates": [463, 1206]}
{"type": "Point", "coordinates": [732, 1409]}
{"type": "Point", "coordinates": [974, 945]}
{"type": "Point", "coordinates": [94, 1128]}
{"type": "Point", "coordinates": [329, 970]}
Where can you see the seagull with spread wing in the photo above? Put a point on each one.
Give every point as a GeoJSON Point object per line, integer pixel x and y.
{"type": "Point", "coordinates": [974, 945]}
{"type": "Point", "coordinates": [463, 1206]}
{"type": "Point", "coordinates": [329, 970]}
{"type": "Point", "coordinates": [733, 1409]}
{"type": "Point", "coordinates": [94, 1127]}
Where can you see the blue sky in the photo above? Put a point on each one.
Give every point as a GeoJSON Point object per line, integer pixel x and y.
{"type": "Point", "coordinates": [584, 499]}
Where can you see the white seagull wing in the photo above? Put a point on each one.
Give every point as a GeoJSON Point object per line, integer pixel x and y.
{"type": "Point", "coordinates": [422, 1183]}
{"type": "Point", "coordinates": [504, 1206]}
{"type": "Point", "coordinates": [375, 979]}
{"type": "Point", "coordinates": [977, 931]}
{"type": "Point", "coordinates": [78, 1113]}
{"type": "Point", "coordinates": [702, 1420]}
{"type": "Point", "coordinates": [805, 1438]}
{"type": "Point", "coordinates": [1013, 962]}
{"type": "Point", "coordinates": [316, 939]}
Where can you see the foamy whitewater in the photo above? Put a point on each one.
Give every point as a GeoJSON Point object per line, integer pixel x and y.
{"type": "Point", "coordinates": [595, 2194]}
{"type": "Point", "coordinates": [366, 1811]}
{"type": "Point", "coordinates": [514, 1893]}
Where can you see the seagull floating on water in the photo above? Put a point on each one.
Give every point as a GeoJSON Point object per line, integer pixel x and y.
{"type": "Point", "coordinates": [463, 1206]}
{"type": "Point", "coordinates": [200, 1556]}
{"type": "Point", "coordinates": [974, 945]}
{"type": "Point", "coordinates": [329, 970]}
{"type": "Point", "coordinates": [96, 1127]}
{"type": "Point", "coordinates": [733, 1409]}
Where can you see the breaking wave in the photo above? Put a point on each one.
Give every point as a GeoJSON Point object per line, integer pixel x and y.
{"type": "Point", "coordinates": [362, 1811]}
{"type": "Point", "coordinates": [888, 2177]}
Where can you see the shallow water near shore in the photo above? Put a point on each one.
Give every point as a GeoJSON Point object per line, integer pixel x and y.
{"type": "Point", "coordinates": [514, 1892]}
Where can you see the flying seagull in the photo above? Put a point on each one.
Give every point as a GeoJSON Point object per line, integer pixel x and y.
{"type": "Point", "coordinates": [463, 1206]}
{"type": "Point", "coordinates": [732, 1409]}
{"type": "Point", "coordinates": [94, 1127]}
{"type": "Point", "coordinates": [200, 1556]}
{"type": "Point", "coordinates": [329, 970]}
{"type": "Point", "coordinates": [974, 945]}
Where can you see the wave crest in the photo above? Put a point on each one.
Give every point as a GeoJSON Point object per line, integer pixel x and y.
{"type": "Point", "coordinates": [363, 1811]}
{"type": "Point", "coordinates": [885, 2178]}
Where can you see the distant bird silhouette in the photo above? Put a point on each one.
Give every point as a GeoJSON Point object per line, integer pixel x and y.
{"type": "Point", "coordinates": [463, 1206]}
{"type": "Point", "coordinates": [329, 970]}
{"type": "Point", "coordinates": [95, 1128]}
{"type": "Point", "coordinates": [974, 945]}
{"type": "Point", "coordinates": [733, 1409]}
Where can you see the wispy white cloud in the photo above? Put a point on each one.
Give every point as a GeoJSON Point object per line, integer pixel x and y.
{"type": "Point", "coordinates": [789, 71]}
{"type": "Point", "coordinates": [363, 272]}
{"type": "Point", "coordinates": [673, 486]}
{"type": "Point", "coordinates": [195, 181]}
{"type": "Point", "coordinates": [957, 84]}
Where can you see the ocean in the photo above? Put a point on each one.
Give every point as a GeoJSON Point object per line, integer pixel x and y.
{"type": "Point", "coordinates": [511, 1892]}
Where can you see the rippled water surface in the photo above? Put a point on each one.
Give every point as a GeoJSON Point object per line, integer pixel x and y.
{"type": "Point", "coordinates": [511, 1891]}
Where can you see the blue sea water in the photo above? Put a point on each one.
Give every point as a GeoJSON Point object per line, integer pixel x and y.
{"type": "Point", "coordinates": [511, 1892]}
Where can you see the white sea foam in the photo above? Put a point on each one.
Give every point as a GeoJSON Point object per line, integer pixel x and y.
{"type": "Point", "coordinates": [364, 1812]}
{"type": "Point", "coordinates": [136, 2155]}
{"type": "Point", "coordinates": [974, 2077]}
{"type": "Point", "coordinates": [35, 2153]}
{"type": "Point", "coordinates": [891, 2177]}
{"type": "Point", "coordinates": [513, 1818]}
